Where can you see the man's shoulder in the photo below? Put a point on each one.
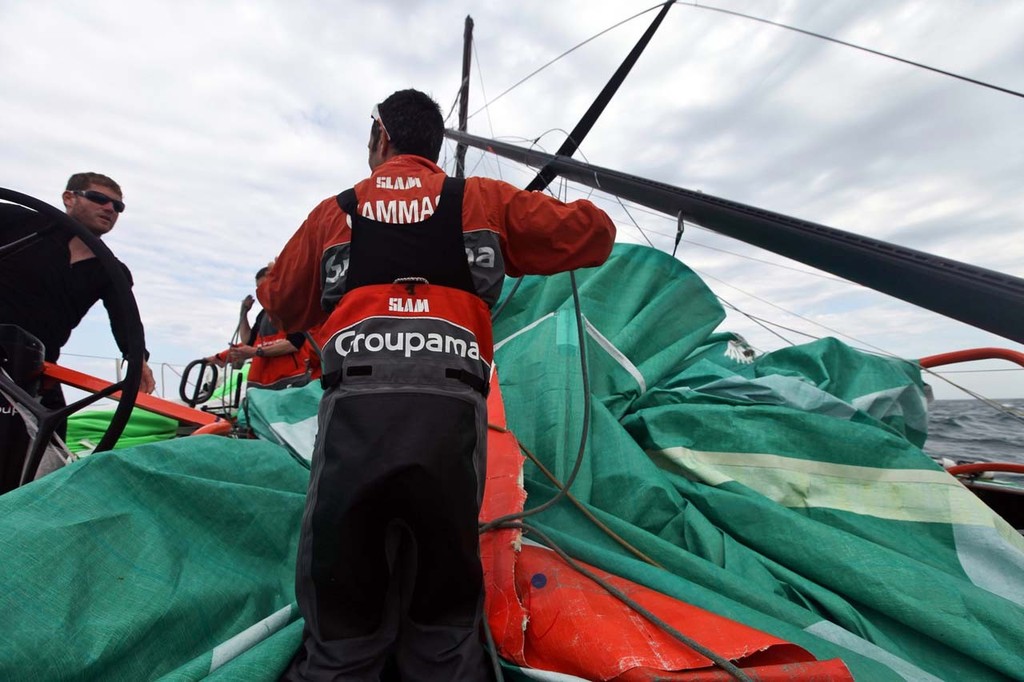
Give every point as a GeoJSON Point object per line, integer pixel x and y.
{"type": "Point", "coordinates": [126, 269]}
{"type": "Point", "coordinates": [327, 205]}
{"type": "Point", "coordinates": [98, 270]}
{"type": "Point", "coordinates": [477, 182]}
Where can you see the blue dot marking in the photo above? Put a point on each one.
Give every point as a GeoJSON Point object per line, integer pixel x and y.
{"type": "Point", "coordinates": [539, 580]}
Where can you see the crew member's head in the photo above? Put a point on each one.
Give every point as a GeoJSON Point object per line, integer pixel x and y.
{"type": "Point", "coordinates": [93, 200]}
{"type": "Point", "coordinates": [261, 273]}
{"type": "Point", "coordinates": [407, 122]}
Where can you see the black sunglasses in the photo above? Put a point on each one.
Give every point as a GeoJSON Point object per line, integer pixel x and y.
{"type": "Point", "coordinates": [99, 198]}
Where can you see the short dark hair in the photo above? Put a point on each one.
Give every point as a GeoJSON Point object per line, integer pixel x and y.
{"type": "Point", "coordinates": [81, 181]}
{"type": "Point", "coordinates": [413, 123]}
{"type": "Point", "coordinates": [262, 272]}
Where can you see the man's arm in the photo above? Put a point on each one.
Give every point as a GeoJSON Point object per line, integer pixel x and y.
{"type": "Point", "coordinates": [290, 293]}
{"type": "Point", "coordinates": [148, 383]}
{"type": "Point", "coordinates": [244, 328]}
{"type": "Point", "coordinates": [220, 359]}
{"type": "Point", "coordinates": [540, 234]}
{"type": "Point", "coordinates": [121, 328]}
{"type": "Point", "coordinates": [271, 349]}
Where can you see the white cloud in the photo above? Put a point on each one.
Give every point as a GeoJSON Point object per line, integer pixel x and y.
{"type": "Point", "coordinates": [226, 123]}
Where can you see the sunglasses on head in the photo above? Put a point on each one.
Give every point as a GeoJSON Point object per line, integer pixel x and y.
{"type": "Point", "coordinates": [375, 115]}
{"type": "Point", "coordinates": [99, 198]}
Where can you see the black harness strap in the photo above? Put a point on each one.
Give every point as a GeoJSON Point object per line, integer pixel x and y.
{"type": "Point", "coordinates": [432, 248]}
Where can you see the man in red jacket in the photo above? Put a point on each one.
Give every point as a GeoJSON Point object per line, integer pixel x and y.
{"type": "Point", "coordinates": [401, 272]}
{"type": "Point", "coordinates": [279, 360]}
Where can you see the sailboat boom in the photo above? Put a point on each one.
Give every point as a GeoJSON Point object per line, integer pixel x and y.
{"type": "Point", "coordinates": [982, 298]}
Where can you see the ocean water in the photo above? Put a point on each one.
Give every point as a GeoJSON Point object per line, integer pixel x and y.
{"type": "Point", "coordinates": [971, 430]}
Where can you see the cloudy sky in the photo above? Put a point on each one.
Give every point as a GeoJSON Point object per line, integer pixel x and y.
{"type": "Point", "coordinates": [225, 123]}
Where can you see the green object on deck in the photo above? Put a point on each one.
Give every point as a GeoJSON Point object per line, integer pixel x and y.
{"type": "Point", "coordinates": [86, 428]}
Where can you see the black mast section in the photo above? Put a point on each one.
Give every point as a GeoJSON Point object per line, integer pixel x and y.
{"type": "Point", "coordinates": [572, 143]}
{"type": "Point", "coordinates": [467, 51]}
{"type": "Point", "coordinates": [983, 298]}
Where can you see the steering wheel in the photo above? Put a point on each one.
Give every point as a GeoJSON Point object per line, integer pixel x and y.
{"type": "Point", "coordinates": [202, 387]}
{"type": "Point", "coordinates": [124, 302]}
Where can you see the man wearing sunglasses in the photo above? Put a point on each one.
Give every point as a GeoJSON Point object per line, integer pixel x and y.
{"type": "Point", "coordinates": [48, 286]}
{"type": "Point", "coordinates": [401, 271]}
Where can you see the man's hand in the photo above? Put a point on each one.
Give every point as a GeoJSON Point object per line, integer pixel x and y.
{"type": "Point", "coordinates": [247, 304]}
{"type": "Point", "coordinates": [241, 352]}
{"type": "Point", "coordinates": [214, 360]}
{"type": "Point", "coordinates": [148, 383]}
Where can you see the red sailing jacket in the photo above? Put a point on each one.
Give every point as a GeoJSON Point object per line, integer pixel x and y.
{"type": "Point", "coordinates": [505, 230]}
{"type": "Point", "coordinates": [279, 371]}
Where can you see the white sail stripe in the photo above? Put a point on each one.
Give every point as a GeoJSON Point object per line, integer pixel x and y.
{"type": "Point", "coordinates": [831, 632]}
{"type": "Point", "coordinates": [799, 483]}
{"type": "Point", "coordinates": [522, 331]}
{"type": "Point", "coordinates": [616, 354]}
{"type": "Point", "coordinates": [993, 560]}
{"type": "Point", "coordinates": [300, 436]}
{"type": "Point", "coordinates": [601, 340]}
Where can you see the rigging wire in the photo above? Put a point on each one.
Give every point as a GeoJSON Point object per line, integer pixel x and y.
{"type": "Point", "coordinates": [997, 406]}
{"type": "Point", "coordinates": [629, 215]}
{"type": "Point", "coordinates": [788, 27]}
{"type": "Point", "coordinates": [492, 649]}
{"type": "Point", "coordinates": [879, 53]}
{"type": "Point", "coordinates": [622, 542]}
{"type": "Point", "coordinates": [483, 91]}
{"type": "Point", "coordinates": [497, 313]}
{"type": "Point", "coordinates": [564, 54]}
{"type": "Point", "coordinates": [877, 349]}
{"type": "Point", "coordinates": [982, 371]}
{"type": "Point", "coordinates": [455, 103]}
{"type": "Point", "coordinates": [582, 128]}
{"type": "Point", "coordinates": [809, 273]}
{"type": "Point", "coordinates": [770, 326]}
{"type": "Point", "coordinates": [770, 322]}
{"type": "Point", "coordinates": [585, 427]}
{"type": "Point", "coordinates": [764, 324]}
{"type": "Point", "coordinates": [588, 194]}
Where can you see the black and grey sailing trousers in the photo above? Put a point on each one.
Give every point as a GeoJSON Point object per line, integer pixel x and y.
{"type": "Point", "coordinates": [389, 558]}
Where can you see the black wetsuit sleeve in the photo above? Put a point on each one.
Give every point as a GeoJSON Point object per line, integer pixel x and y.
{"type": "Point", "coordinates": [296, 339]}
{"type": "Point", "coordinates": [119, 324]}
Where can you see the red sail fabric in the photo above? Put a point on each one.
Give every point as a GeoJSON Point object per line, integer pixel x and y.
{"type": "Point", "coordinates": [503, 494]}
{"type": "Point", "coordinates": [544, 614]}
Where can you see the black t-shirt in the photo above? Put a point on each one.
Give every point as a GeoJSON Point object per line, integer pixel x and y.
{"type": "Point", "coordinates": [41, 291]}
